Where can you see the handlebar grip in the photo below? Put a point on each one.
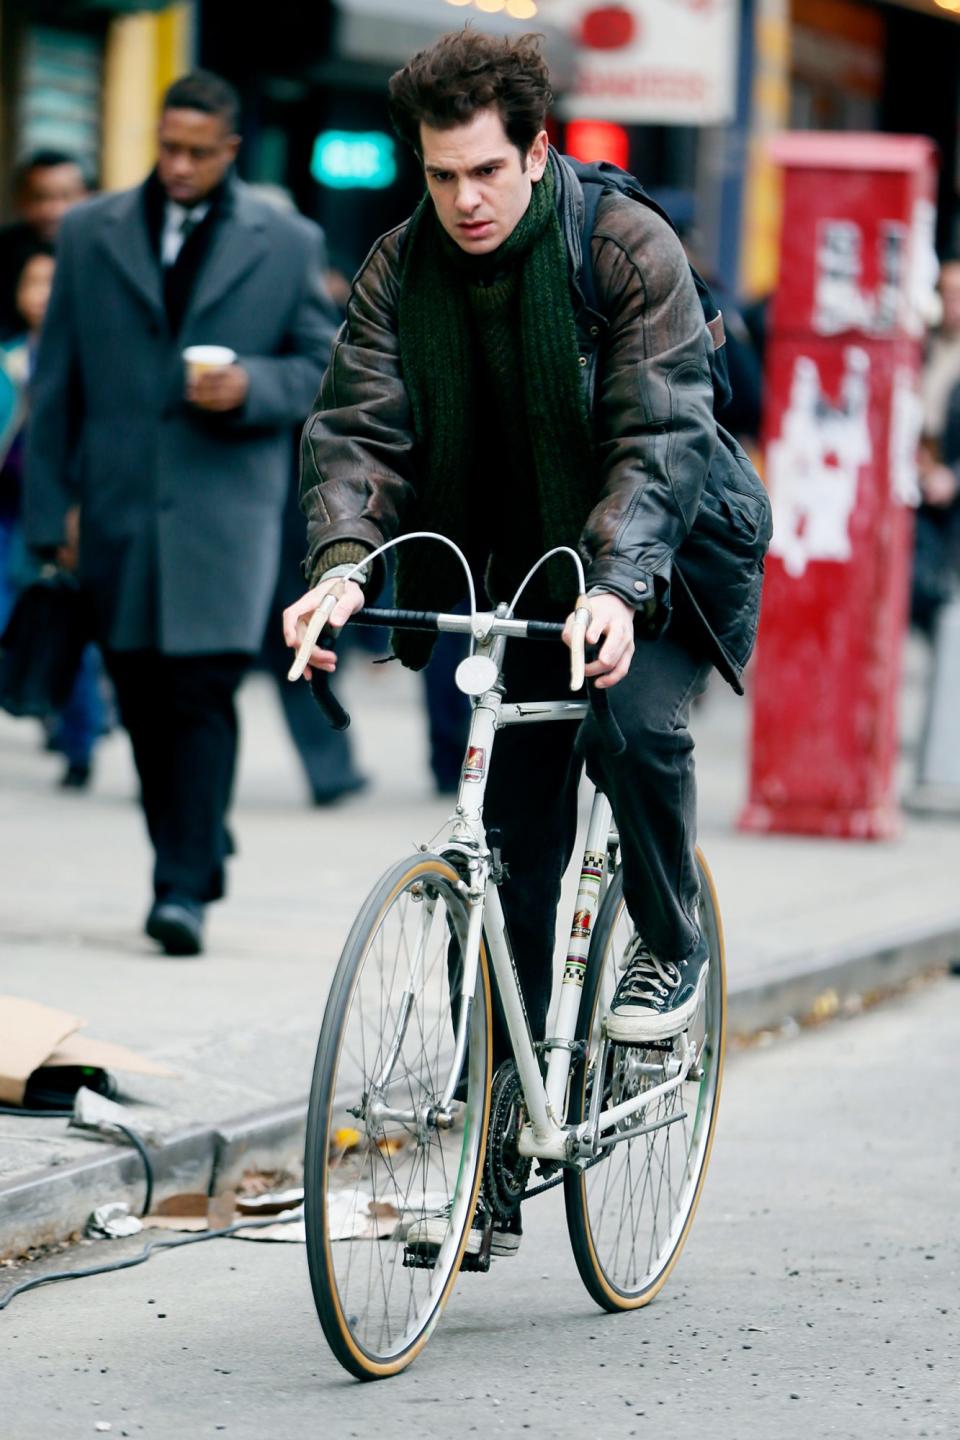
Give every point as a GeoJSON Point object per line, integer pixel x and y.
{"type": "Point", "coordinates": [328, 702]}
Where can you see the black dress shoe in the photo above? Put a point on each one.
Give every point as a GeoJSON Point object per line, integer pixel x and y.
{"type": "Point", "coordinates": [76, 777]}
{"type": "Point", "coordinates": [331, 794]}
{"type": "Point", "coordinates": [176, 923]}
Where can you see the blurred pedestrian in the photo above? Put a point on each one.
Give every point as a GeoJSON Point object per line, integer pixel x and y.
{"type": "Point", "coordinates": [46, 185]}
{"type": "Point", "coordinates": [325, 754]}
{"type": "Point", "coordinates": [184, 468]}
{"type": "Point", "coordinates": [31, 291]}
{"type": "Point", "coordinates": [937, 542]}
{"type": "Point", "coordinates": [77, 729]}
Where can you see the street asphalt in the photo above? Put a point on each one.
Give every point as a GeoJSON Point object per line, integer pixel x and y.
{"type": "Point", "coordinates": [817, 1297]}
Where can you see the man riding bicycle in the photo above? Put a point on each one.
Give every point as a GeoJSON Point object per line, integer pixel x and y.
{"type": "Point", "coordinates": [473, 391]}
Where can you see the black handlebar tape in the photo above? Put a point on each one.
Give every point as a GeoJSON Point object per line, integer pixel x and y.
{"type": "Point", "coordinates": [320, 687]}
{"type": "Point", "coordinates": [328, 702]}
{"type": "Point", "coordinates": [397, 619]}
{"type": "Point", "coordinates": [428, 620]}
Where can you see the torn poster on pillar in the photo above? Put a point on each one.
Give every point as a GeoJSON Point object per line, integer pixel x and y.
{"type": "Point", "coordinates": [814, 464]}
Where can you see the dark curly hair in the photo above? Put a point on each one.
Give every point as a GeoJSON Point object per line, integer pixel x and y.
{"type": "Point", "coordinates": [468, 71]}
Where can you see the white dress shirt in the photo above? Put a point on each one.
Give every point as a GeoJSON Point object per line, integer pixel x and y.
{"type": "Point", "coordinates": [171, 241]}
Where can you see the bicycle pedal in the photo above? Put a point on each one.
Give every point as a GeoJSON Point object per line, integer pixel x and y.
{"type": "Point", "coordinates": [665, 1045]}
{"type": "Point", "coordinates": [420, 1257]}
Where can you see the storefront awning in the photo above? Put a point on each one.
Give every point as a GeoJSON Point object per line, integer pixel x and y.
{"type": "Point", "coordinates": [388, 32]}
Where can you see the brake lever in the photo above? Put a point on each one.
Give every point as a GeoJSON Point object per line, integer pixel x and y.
{"type": "Point", "coordinates": [320, 679]}
{"type": "Point", "coordinates": [314, 626]}
{"type": "Point", "coordinates": [578, 638]}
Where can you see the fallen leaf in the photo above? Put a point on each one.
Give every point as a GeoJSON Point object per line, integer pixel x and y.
{"type": "Point", "coordinates": [391, 1145]}
{"type": "Point", "coordinates": [382, 1210]}
{"type": "Point", "coordinates": [190, 1204]}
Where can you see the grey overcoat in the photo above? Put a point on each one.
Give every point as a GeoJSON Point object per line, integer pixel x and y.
{"type": "Point", "coordinates": [180, 508]}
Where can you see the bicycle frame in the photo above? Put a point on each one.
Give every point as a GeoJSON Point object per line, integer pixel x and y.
{"type": "Point", "coordinates": [545, 1135]}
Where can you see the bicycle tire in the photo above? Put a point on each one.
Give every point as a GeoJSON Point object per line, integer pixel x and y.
{"type": "Point", "coordinates": [382, 1151]}
{"type": "Point", "coordinates": [629, 1281]}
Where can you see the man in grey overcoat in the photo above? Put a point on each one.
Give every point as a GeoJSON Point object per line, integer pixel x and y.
{"type": "Point", "coordinates": [179, 479]}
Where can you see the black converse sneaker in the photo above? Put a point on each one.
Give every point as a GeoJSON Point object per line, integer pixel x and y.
{"type": "Point", "coordinates": [656, 998]}
{"type": "Point", "coordinates": [504, 1239]}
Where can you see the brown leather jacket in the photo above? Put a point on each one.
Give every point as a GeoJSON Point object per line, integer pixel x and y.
{"type": "Point", "coordinates": [677, 498]}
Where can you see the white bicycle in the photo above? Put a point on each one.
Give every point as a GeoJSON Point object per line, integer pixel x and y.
{"type": "Point", "coordinates": [406, 1121]}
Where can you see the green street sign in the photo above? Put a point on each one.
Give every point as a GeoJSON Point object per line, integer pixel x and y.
{"type": "Point", "coordinates": [351, 160]}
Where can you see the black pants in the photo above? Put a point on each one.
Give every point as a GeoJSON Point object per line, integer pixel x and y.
{"type": "Point", "coordinates": [532, 797]}
{"type": "Point", "coordinates": [179, 712]}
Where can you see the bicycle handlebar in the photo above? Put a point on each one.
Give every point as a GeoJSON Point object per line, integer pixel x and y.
{"type": "Point", "coordinates": [435, 622]}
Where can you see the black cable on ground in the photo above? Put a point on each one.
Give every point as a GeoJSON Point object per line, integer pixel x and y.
{"type": "Point", "coordinates": [36, 1114]}
{"type": "Point", "coordinates": [108, 1125]}
{"type": "Point", "coordinates": [139, 1146]}
{"type": "Point", "coordinates": [129, 1261]}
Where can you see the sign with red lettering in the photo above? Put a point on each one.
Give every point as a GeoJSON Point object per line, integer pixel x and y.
{"type": "Point", "coordinates": [666, 62]}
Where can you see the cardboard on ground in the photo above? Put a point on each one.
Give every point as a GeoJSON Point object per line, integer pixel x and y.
{"type": "Point", "coordinates": [32, 1035]}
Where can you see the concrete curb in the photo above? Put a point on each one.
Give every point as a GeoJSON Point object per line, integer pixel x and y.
{"type": "Point", "coordinates": [51, 1204]}
{"type": "Point", "coordinates": [47, 1206]}
{"type": "Point", "coordinates": [856, 970]}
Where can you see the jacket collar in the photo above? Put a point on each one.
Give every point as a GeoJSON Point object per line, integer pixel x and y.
{"type": "Point", "coordinates": [239, 243]}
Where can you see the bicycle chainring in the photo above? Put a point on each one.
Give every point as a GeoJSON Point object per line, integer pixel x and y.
{"type": "Point", "coordinates": [505, 1170]}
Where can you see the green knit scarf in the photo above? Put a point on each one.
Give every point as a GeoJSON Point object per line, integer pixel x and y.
{"type": "Point", "coordinates": [441, 369]}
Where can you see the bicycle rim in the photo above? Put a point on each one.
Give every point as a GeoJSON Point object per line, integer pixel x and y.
{"type": "Point", "coordinates": [630, 1214]}
{"type": "Point", "coordinates": [388, 1040]}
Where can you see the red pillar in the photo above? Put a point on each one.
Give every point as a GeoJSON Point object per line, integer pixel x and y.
{"type": "Point", "coordinates": [841, 422]}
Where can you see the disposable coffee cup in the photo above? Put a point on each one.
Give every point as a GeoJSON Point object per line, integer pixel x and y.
{"type": "Point", "coordinates": [199, 358]}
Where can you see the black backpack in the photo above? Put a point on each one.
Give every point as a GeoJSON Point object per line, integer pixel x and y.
{"type": "Point", "coordinates": [599, 178]}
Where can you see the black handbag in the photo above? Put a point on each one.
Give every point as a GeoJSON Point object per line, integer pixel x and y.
{"type": "Point", "coordinates": [41, 648]}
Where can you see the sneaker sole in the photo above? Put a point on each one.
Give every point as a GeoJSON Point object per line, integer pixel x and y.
{"type": "Point", "coordinates": [635, 1029]}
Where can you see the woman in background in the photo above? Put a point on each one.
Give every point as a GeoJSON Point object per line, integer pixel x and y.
{"type": "Point", "coordinates": [75, 732]}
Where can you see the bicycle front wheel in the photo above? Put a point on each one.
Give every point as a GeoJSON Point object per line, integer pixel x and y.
{"type": "Point", "coordinates": [630, 1213]}
{"type": "Point", "coordinates": [378, 1165]}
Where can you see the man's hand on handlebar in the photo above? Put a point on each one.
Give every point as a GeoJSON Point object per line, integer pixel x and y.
{"type": "Point", "coordinates": [613, 619]}
{"type": "Point", "coordinates": [296, 616]}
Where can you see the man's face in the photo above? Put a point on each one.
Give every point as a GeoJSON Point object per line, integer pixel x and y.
{"type": "Point", "coordinates": [949, 284]}
{"type": "Point", "coordinates": [194, 152]}
{"type": "Point", "coordinates": [478, 181]}
{"type": "Point", "coordinates": [48, 192]}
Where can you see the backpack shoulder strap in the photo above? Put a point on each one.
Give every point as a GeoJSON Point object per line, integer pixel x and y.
{"type": "Point", "coordinates": [601, 178]}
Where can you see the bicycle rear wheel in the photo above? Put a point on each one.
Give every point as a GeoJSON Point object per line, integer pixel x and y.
{"type": "Point", "coordinates": [377, 1164]}
{"type": "Point", "coordinates": [630, 1213]}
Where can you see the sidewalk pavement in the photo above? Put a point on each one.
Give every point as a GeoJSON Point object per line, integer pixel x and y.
{"type": "Point", "coordinates": [809, 924]}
